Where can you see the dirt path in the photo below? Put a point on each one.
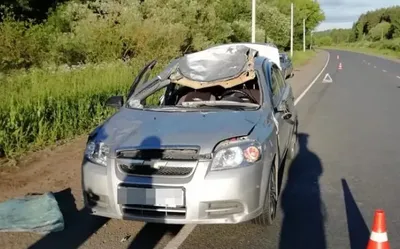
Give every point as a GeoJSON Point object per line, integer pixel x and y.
{"type": "Point", "coordinates": [58, 170]}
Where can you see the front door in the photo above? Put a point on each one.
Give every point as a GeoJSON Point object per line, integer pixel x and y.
{"type": "Point", "coordinates": [279, 99]}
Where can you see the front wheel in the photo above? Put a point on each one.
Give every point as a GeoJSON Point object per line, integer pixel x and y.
{"type": "Point", "coordinates": [270, 203]}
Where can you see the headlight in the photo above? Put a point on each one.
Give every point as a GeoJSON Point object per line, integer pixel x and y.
{"type": "Point", "coordinates": [97, 153]}
{"type": "Point", "coordinates": [241, 155]}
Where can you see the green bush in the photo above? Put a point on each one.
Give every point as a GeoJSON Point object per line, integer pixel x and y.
{"type": "Point", "coordinates": [391, 44]}
{"type": "Point", "coordinates": [22, 44]}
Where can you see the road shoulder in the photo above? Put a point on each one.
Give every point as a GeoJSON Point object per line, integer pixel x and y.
{"type": "Point", "coordinates": [305, 74]}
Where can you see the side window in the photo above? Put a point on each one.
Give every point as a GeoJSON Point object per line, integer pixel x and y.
{"type": "Point", "coordinates": [282, 59]}
{"type": "Point", "coordinates": [279, 77]}
{"type": "Point", "coordinates": [276, 86]}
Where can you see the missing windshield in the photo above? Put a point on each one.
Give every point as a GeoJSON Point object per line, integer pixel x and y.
{"type": "Point", "coordinates": [176, 96]}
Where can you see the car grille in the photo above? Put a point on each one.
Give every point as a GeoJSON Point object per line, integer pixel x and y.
{"type": "Point", "coordinates": [161, 154]}
{"type": "Point", "coordinates": [147, 170]}
{"type": "Point", "coordinates": [142, 162]}
{"type": "Point", "coordinates": [154, 212]}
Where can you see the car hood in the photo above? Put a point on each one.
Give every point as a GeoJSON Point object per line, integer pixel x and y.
{"type": "Point", "coordinates": [131, 128]}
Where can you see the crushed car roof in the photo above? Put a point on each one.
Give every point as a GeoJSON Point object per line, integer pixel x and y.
{"type": "Point", "coordinates": [267, 50]}
{"type": "Point", "coordinates": [224, 65]}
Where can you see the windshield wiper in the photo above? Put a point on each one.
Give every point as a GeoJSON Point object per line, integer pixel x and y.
{"type": "Point", "coordinates": [219, 104]}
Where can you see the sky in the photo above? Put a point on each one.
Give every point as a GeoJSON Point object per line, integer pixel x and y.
{"type": "Point", "coordinates": [343, 13]}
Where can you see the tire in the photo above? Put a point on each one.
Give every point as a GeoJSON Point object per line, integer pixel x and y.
{"type": "Point", "coordinates": [268, 215]}
{"type": "Point", "coordinates": [293, 146]}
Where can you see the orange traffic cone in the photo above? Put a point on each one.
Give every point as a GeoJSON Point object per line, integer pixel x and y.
{"type": "Point", "coordinates": [378, 238]}
{"type": "Point", "coordinates": [340, 66]}
{"type": "Point", "coordinates": [337, 57]}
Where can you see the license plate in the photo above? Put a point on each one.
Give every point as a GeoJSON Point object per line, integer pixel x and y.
{"type": "Point", "coordinates": [161, 197]}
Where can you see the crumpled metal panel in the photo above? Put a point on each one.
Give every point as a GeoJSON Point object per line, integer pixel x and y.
{"type": "Point", "coordinates": [217, 63]}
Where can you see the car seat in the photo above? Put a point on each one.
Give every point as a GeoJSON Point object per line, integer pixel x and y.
{"type": "Point", "coordinates": [196, 96]}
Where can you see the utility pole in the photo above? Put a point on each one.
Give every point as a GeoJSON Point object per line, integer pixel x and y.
{"type": "Point", "coordinates": [291, 29]}
{"type": "Point", "coordinates": [304, 35]}
{"type": "Point", "coordinates": [253, 21]}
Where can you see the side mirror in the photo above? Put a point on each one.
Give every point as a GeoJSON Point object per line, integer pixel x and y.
{"type": "Point", "coordinates": [115, 101]}
{"type": "Point", "coordinates": [281, 108]}
{"type": "Point", "coordinates": [286, 115]}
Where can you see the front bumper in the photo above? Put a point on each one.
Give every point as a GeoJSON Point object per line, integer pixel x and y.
{"type": "Point", "coordinates": [211, 197]}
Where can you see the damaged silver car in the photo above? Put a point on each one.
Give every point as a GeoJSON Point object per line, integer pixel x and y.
{"type": "Point", "coordinates": [202, 142]}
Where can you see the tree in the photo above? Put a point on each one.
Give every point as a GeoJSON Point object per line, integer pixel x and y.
{"type": "Point", "coordinates": [303, 9]}
{"type": "Point", "coordinates": [380, 31]}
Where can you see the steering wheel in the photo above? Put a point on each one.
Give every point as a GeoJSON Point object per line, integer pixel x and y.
{"type": "Point", "coordinates": [244, 94]}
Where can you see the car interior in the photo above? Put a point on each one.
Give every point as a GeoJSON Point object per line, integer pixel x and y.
{"type": "Point", "coordinates": [246, 92]}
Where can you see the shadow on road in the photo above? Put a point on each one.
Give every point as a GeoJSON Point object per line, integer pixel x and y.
{"type": "Point", "coordinates": [151, 234]}
{"type": "Point", "coordinates": [79, 225]}
{"type": "Point", "coordinates": [304, 214]}
{"type": "Point", "coordinates": [357, 228]}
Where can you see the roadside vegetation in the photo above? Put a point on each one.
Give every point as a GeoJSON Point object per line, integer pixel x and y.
{"type": "Point", "coordinates": [59, 63]}
{"type": "Point", "coordinates": [300, 58]}
{"type": "Point", "coordinates": [375, 32]}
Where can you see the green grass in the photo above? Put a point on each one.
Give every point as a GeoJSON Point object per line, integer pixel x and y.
{"type": "Point", "coordinates": [40, 107]}
{"type": "Point", "coordinates": [386, 53]}
{"type": "Point", "coordinates": [300, 58]}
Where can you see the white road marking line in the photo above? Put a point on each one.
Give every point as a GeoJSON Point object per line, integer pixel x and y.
{"type": "Point", "coordinates": [180, 237]}
{"type": "Point", "coordinates": [384, 70]}
{"type": "Point", "coordinates": [374, 66]}
{"type": "Point", "coordinates": [369, 63]}
{"type": "Point", "coordinates": [398, 77]}
{"type": "Point", "coordinates": [313, 82]}
{"type": "Point", "coordinates": [187, 229]}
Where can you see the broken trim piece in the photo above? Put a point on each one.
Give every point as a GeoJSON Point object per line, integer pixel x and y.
{"type": "Point", "coordinates": [244, 77]}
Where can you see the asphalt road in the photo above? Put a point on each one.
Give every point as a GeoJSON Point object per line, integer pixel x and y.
{"type": "Point", "coordinates": [348, 165]}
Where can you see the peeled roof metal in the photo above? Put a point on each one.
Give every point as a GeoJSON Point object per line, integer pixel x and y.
{"type": "Point", "coordinates": [217, 63]}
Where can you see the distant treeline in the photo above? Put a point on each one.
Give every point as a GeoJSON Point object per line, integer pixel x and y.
{"type": "Point", "coordinates": [376, 29]}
